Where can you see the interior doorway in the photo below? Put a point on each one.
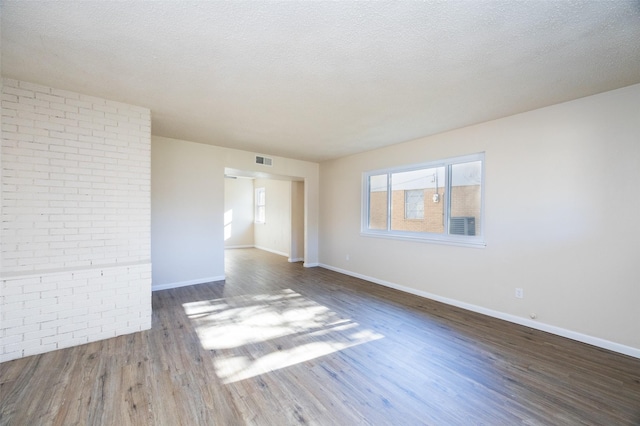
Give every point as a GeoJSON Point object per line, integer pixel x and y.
{"type": "Point", "coordinates": [266, 212]}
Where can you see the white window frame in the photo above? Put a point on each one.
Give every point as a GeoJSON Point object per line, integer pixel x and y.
{"type": "Point", "coordinates": [261, 204]}
{"type": "Point", "coordinates": [442, 238]}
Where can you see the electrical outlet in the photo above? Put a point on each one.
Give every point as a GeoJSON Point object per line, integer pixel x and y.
{"type": "Point", "coordinates": [519, 293]}
{"type": "Point", "coordinates": [347, 257]}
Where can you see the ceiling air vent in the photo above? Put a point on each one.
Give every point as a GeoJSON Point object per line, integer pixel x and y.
{"type": "Point", "coordinates": [265, 161]}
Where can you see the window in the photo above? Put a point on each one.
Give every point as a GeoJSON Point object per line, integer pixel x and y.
{"type": "Point", "coordinates": [440, 201]}
{"type": "Point", "coordinates": [261, 206]}
{"type": "Point", "coordinates": [414, 204]}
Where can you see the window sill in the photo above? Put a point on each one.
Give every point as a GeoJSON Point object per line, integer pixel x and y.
{"type": "Point", "coordinates": [475, 243]}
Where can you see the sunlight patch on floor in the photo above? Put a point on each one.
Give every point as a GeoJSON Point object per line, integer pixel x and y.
{"type": "Point", "coordinates": [256, 334]}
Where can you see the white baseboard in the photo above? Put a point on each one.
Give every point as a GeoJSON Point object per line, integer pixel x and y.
{"type": "Point", "coordinates": [167, 286]}
{"type": "Point", "coordinates": [311, 265]}
{"type": "Point", "coordinates": [290, 260]}
{"type": "Point", "coordinates": [272, 251]}
{"type": "Point", "coordinates": [584, 338]}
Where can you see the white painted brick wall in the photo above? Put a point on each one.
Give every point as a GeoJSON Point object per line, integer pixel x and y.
{"type": "Point", "coordinates": [75, 219]}
{"type": "Point", "coordinates": [75, 172]}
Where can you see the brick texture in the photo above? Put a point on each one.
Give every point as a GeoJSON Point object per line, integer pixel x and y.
{"type": "Point", "coordinates": [465, 201]}
{"type": "Point", "coordinates": [75, 219]}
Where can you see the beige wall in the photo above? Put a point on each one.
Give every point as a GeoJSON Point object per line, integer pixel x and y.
{"type": "Point", "coordinates": [187, 213]}
{"type": "Point", "coordinates": [274, 234]}
{"type": "Point", "coordinates": [187, 208]}
{"type": "Point", "coordinates": [283, 231]}
{"type": "Point", "coordinates": [297, 221]}
{"type": "Point", "coordinates": [551, 177]}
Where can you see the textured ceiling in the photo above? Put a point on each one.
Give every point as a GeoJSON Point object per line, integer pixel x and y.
{"type": "Point", "coordinates": [319, 80]}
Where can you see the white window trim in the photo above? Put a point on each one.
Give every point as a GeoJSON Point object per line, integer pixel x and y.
{"type": "Point", "coordinates": [445, 238]}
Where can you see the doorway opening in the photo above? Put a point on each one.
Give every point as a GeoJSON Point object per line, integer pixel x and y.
{"type": "Point", "coordinates": [265, 211]}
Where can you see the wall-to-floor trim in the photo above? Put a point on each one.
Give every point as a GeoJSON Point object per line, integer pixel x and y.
{"type": "Point", "coordinates": [311, 265]}
{"type": "Point", "coordinates": [584, 338]}
{"type": "Point", "coordinates": [297, 259]}
{"type": "Point", "coordinates": [272, 251]}
{"type": "Point", "coordinates": [187, 283]}
{"type": "Point", "coordinates": [239, 247]}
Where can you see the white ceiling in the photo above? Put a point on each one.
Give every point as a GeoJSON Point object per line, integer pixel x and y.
{"type": "Point", "coordinates": [320, 80]}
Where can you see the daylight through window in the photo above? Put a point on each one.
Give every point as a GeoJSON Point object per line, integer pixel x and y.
{"type": "Point", "coordinates": [439, 201]}
{"type": "Point", "coordinates": [261, 206]}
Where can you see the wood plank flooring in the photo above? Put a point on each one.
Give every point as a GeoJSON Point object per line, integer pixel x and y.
{"type": "Point", "coordinates": [278, 344]}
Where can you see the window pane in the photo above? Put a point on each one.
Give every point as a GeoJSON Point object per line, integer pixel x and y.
{"type": "Point", "coordinates": [466, 198]}
{"type": "Point", "coordinates": [261, 209]}
{"type": "Point", "coordinates": [378, 202]}
{"type": "Point", "coordinates": [414, 204]}
{"type": "Point", "coordinates": [417, 200]}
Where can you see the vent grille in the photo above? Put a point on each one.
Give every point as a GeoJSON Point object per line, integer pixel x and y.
{"type": "Point", "coordinates": [265, 161]}
{"type": "Point", "coordinates": [462, 226]}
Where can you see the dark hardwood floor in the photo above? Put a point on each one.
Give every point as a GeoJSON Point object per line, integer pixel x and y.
{"type": "Point", "coordinates": [278, 344]}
